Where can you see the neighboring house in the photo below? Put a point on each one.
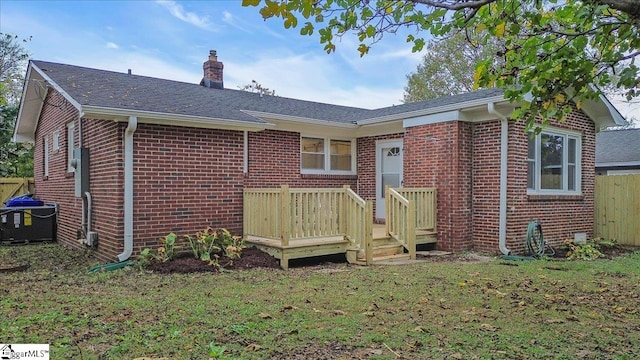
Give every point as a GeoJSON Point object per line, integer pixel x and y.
{"type": "Point", "coordinates": [618, 152]}
{"type": "Point", "coordinates": [164, 156]}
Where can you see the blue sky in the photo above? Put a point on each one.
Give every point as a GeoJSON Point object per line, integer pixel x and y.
{"type": "Point", "coordinates": [171, 40]}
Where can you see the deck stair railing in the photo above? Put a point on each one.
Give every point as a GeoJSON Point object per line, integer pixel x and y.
{"type": "Point", "coordinates": [401, 220]}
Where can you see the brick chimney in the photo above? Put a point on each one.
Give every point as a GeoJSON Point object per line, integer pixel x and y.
{"type": "Point", "coordinates": [212, 72]}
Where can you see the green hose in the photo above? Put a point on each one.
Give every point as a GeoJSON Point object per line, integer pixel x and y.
{"type": "Point", "coordinates": [535, 243]}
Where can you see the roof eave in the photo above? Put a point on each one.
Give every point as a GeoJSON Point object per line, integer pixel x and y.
{"type": "Point", "coordinates": [298, 119]}
{"type": "Point", "coordinates": [603, 112]}
{"type": "Point", "coordinates": [434, 110]}
{"type": "Point", "coordinates": [151, 117]}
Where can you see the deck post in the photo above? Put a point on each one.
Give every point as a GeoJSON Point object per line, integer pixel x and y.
{"type": "Point", "coordinates": [344, 210]}
{"type": "Point", "coordinates": [285, 215]}
{"type": "Point", "coordinates": [387, 210]}
{"type": "Point", "coordinates": [245, 215]}
{"type": "Point", "coordinates": [411, 229]}
{"type": "Point", "coordinates": [368, 233]}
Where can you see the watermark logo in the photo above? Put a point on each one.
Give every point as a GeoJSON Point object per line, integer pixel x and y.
{"type": "Point", "coordinates": [24, 351]}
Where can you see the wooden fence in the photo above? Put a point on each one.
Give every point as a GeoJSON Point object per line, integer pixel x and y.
{"type": "Point", "coordinates": [10, 187]}
{"type": "Point", "coordinates": [617, 209]}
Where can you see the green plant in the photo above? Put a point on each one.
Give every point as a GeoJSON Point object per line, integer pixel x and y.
{"type": "Point", "coordinates": [586, 251]}
{"type": "Point", "coordinates": [167, 250]}
{"type": "Point", "coordinates": [232, 245]}
{"type": "Point", "coordinates": [604, 243]}
{"type": "Point", "coordinates": [146, 258]}
{"type": "Point", "coordinates": [216, 351]}
{"type": "Point", "coordinates": [203, 244]}
{"type": "Point", "coordinates": [206, 244]}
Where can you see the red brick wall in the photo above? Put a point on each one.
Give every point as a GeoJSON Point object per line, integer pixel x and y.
{"type": "Point", "coordinates": [486, 185]}
{"type": "Point", "coordinates": [274, 160]}
{"type": "Point", "coordinates": [58, 186]}
{"type": "Point", "coordinates": [439, 155]}
{"type": "Point", "coordinates": [104, 140]}
{"type": "Point", "coordinates": [561, 216]}
{"type": "Point", "coordinates": [185, 179]}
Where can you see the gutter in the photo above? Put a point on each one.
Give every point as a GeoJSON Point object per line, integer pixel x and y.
{"type": "Point", "coordinates": [128, 188]}
{"type": "Point", "coordinates": [504, 142]}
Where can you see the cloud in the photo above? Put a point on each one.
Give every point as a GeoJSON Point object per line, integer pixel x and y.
{"type": "Point", "coordinates": [192, 18]}
{"type": "Point", "coordinates": [228, 18]}
{"type": "Point", "coordinates": [309, 77]}
{"type": "Point", "coordinates": [111, 45]}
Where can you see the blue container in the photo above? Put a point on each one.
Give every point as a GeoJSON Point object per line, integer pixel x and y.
{"type": "Point", "coordinates": [24, 200]}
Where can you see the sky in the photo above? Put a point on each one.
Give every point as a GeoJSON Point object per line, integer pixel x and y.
{"type": "Point", "coordinates": [172, 39]}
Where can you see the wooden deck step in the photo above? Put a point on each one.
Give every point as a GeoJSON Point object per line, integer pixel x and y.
{"type": "Point", "coordinates": [300, 248]}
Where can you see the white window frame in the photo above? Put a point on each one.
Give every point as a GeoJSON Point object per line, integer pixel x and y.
{"type": "Point", "coordinates": [327, 156]}
{"type": "Point", "coordinates": [56, 141]}
{"type": "Point", "coordinates": [45, 158]}
{"type": "Point", "coordinates": [566, 134]}
{"type": "Point", "coordinates": [70, 146]}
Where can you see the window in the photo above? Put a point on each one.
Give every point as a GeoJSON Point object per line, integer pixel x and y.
{"type": "Point", "coordinates": [553, 162]}
{"type": "Point", "coordinates": [45, 157]}
{"type": "Point", "coordinates": [70, 146]}
{"type": "Point", "coordinates": [56, 141]}
{"type": "Point", "coordinates": [322, 155]}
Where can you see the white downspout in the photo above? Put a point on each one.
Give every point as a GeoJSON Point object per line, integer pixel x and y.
{"type": "Point", "coordinates": [128, 188]}
{"type": "Point", "coordinates": [245, 155]}
{"type": "Point", "coordinates": [504, 143]}
{"type": "Point", "coordinates": [89, 215]}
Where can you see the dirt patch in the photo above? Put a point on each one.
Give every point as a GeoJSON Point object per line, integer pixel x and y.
{"type": "Point", "coordinates": [185, 263]}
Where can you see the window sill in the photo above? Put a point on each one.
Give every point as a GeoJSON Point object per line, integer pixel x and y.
{"type": "Point", "coordinates": [329, 176]}
{"type": "Point", "coordinates": [555, 197]}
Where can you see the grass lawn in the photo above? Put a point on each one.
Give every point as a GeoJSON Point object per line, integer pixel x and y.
{"type": "Point", "coordinates": [460, 310]}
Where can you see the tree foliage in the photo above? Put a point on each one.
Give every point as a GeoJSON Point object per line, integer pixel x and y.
{"type": "Point", "coordinates": [460, 52]}
{"type": "Point", "coordinates": [15, 159]}
{"type": "Point", "coordinates": [554, 52]}
{"type": "Point", "coordinates": [256, 87]}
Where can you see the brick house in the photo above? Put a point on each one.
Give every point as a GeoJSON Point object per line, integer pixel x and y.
{"type": "Point", "coordinates": [162, 156]}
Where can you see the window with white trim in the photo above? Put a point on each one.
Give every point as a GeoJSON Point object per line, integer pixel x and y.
{"type": "Point", "coordinates": [553, 163]}
{"type": "Point", "coordinates": [325, 155]}
{"type": "Point", "coordinates": [45, 157]}
{"type": "Point", "coordinates": [70, 146]}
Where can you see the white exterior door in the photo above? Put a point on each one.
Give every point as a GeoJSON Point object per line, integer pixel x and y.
{"type": "Point", "coordinates": [388, 171]}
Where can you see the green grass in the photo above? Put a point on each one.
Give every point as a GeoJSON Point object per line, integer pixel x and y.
{"type": "Point", "coordinates": [537, 309]}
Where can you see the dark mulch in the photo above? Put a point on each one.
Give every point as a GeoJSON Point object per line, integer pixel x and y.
{"type": "Point", "coordinates": [186, 263]}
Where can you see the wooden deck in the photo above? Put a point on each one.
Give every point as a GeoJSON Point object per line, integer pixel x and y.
{"type": "Point", "coordinates": [301, 223]}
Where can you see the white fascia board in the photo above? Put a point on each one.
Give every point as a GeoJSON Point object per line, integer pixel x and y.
{"type": "Point", "coordinates": [297, 119]}
{"type": "Point", "coordinates": [150, 117]}
{"type": "Point", "coordinates": [435, 118]}
{"type": "Point", "coordinates": [57, 87]}
{"type": "Point", "coordinates": [618, 164]}
{"type": "Point", "coordinates": [615, 114]}
{"type": "Point", "coordinates": [435, 110]}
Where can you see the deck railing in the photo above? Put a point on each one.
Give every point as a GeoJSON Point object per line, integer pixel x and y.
{"type": "Point", "coordinates": [291, 214]}
{"type": "Point", "coordinates": [359, 223]}
{"type": "Point", "coordinates": [401, 220]}
{"type": "Point", "coordinates": [425, 204]}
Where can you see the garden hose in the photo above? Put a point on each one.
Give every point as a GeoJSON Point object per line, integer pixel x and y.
{"type": "Point", "coordinates": [535, 243]}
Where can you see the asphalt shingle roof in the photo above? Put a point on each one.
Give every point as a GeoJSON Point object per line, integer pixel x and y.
{"type": "Point", "coordinates": [618, 146]}
{"type": "Point", "coordinates": [109, 89]}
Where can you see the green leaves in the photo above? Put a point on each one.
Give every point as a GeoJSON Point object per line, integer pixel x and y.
{"type": "Point", "coordinates": [547, 48]}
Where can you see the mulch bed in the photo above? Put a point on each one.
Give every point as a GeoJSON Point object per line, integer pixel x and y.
{"type": "Point", "coordinates": [185, 263]}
